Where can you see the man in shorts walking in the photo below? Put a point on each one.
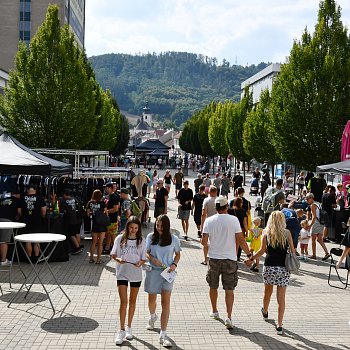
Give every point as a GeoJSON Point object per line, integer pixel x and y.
{"type": "Point", "coordinates": [185, 197]}
{"type": "Point", "coordinates": [223, 230]}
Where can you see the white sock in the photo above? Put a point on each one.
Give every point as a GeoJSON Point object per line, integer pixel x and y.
{"type": "Point", "coordinates": [162, 334]}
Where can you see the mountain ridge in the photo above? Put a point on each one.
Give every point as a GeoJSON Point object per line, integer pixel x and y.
{"type": "Point", "coordinates": [176, 84]}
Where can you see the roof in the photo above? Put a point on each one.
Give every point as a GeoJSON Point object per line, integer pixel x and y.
{"type": "Point", "coordinates": [159, 152]}
{"type": "Point", "coordinates": [335, 168]}
{"type": "Point", "coordinates": [142, 125]}
{"type": "Point", "coordinates": [16, 159]}
{"type": "Point", "coordinates": [150, 145]}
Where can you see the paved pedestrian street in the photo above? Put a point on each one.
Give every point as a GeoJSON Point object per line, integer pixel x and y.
{"type": "Point", "coordinates": [317, 316]}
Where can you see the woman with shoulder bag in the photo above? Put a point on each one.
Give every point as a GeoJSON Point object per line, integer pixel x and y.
{"type": "Point", "coordinates": [275, 242]}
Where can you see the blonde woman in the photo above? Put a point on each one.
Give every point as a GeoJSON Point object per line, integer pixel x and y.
{"type": "Point", "coordinates": [275, 241]}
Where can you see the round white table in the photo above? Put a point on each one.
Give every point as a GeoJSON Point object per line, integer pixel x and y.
{"type": "Point", "coordinates": [10, 225]}
{"type": "Point", "coordinates": [45, 239]}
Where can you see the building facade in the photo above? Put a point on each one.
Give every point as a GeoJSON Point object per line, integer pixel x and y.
{"type": "Point", "coordinates": [20, 19]}
{"type": "Point", "coordinates": [261, 81]}
{"type": "Point", "coordinates": [4, 77]}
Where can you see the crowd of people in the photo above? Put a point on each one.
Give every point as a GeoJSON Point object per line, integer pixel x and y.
{"type": "Point", "coordinates": [225, 229]}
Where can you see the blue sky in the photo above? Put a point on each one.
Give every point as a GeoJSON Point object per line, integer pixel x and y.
{"type": "Point", "coordinates": [242, 32]}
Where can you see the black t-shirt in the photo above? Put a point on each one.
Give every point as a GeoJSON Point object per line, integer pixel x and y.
{"type": "Point", "coordinates": [238, 181]}
{"type": "Point", "coordinates": [161, 193]}
{"type": "Point", "coordinates": [185, 196]}
{"type": "Point", "coordinates": [256, 175]}
{"type": "Point", "coordinates": [31, 213]}
{"type": "Point", "coordinates": [113, 200]}
{"type": "Point", "coordinates": [69, 208]}
{"type": "Point", "coordinates": [96, 206]}
{"type": "Point", "coordinates": [167, 179]}
{"type": "Point", "coordinates": [8, 208]}
{"type": "Point", "coordinates": [240, 214]}
{"type": "Point", "coordinates": [327, 202]}
{"type": "Point", "coordinates": [317, 185]}
{"type": "Point", "coordinates": [198, 200]}
{"type": "Point", "coordinates": [197, 183]}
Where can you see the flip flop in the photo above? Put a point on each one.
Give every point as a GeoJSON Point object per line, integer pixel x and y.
{"type": "Point", "coordinates": [98, 262]}
{"type": "Point", "coordinates": [91, 261]}
{"type": "Point", "coordinates": [204, 263]}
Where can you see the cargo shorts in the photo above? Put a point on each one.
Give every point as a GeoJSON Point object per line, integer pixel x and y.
{"type": "Point", "coordinates": [228, 269]}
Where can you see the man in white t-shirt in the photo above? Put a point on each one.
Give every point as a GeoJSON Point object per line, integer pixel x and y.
{"type": "Point", "coordinates": [225, 233]}
{"type": "Point", "coordinates": [208, 210]}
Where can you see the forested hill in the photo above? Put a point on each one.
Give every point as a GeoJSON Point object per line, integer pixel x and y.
{"type": "Point", "coordinates": [176, 84]}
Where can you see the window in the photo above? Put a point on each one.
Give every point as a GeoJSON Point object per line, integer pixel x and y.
{"type": "Point", "coordinates": [24, 35]}
{"type": "Point", "coordinates": [24, 16]}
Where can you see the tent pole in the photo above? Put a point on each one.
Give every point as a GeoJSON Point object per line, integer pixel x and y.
{"type": "Point", "coordinates": [49, 204]}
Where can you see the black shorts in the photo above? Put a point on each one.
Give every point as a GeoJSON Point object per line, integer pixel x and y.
{"type": "Point", "coordinates": [73, 229]}
{"type": "Point", "coordinates": [125, 283]}
{"type": "Point", "coordinates": [178, 186]}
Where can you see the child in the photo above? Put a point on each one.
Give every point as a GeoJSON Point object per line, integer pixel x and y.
{"type": "Point", "coordinates": [304, 238]}
{"type": "Point", "coordinates": [129, 251]}
{"type": "Point", "coordinates": [300, 215]}
{"type": "Point", "coordinates": [255, 234]}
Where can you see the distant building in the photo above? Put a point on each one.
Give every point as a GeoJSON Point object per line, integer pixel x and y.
{"type": "Point", "coordinates": [4, 77]}
{"type": "Point", "coordinates": [261, 81]}
{"type": "Point", "coordinates": [20, 19]}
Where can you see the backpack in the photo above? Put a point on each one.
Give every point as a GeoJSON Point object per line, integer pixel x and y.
{"type": "Point", "coordinates": [269, 202]}
{"type": "Point", "coordinates": [323, 218]}
{"type": "Point", "coordinates": [135, 209]}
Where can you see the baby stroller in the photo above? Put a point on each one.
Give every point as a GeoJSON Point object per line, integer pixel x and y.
{"type": "Point", "coordinates": [254, 187]}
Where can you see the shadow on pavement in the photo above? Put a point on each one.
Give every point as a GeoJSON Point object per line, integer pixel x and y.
{"type": "Point", "coordinates": [266, 342]}
{"type": "Point", "coordinates": [32, 297]}
{"type": "Point", "coordinates": [152, 347]}
{"type": "Point", "coordinates": [69, 325]}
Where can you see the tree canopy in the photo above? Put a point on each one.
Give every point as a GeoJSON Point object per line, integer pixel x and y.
{"type": "Point", "coordinates": [310, 98]}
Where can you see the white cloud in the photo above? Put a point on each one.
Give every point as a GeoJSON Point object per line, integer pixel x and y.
{"type": "Point", "coordinates": [252, 31]}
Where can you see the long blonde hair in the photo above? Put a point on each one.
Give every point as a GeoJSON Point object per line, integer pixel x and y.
{"type": "Point", "coordinates": [276, 230]}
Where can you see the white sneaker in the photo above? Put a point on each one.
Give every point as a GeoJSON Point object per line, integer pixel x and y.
{"type": "Point", "coordinates": [165, 342]}
{"type": "Point", "coordinates": [120, 337]}
{"type": "Point", "coordinates": [6, 263]}
{"type": "Point", "coordinates": [128, 332]}
{"type": "Point", "coordinates": [228, 323]}
{"type": "Point", "coordinates": [214, 315]}
{"type": "Point", "coordinates": [151, 321]}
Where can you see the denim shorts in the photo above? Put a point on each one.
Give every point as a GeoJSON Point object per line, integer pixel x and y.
{"type": "Point", "coordinates": [155, 283]}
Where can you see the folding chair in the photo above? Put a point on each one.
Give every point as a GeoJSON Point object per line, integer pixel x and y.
{"type": "Point", "coordinates": [344, 281]}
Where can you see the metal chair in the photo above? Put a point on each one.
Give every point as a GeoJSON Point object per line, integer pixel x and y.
{"type": "Point", "coordinates": [343, 280]}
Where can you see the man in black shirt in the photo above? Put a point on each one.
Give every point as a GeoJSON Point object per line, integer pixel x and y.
{"type": "Point", "coordinates": [113, 205]}
{"type": "Point", "coordinates": [161, 199]}
{"type": "Point", "coordinates": [9, 211]}
{"type": "Point", "coordinates": [198, 182]}
{"type": "Point", "coordinates": [316, 186]}
{"type": "Point", "coordinates": [33, 213]}
{"type": "Point", "coordinates": [329, 202]}
{"type": "Point", "coordinates": [185, 197]}
{"type": "Point", "coordinates": [237, 181]}
{"type": "Point", "coordinates": [69, 207]}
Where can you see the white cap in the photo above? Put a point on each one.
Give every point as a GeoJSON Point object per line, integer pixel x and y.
{"type": "Point", "coordinates": [222, 201]}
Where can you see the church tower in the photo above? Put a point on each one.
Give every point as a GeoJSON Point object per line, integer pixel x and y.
{"type": "Point", "coordinates": [146, 114]}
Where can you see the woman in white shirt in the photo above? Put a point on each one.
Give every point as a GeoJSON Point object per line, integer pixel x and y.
{"type": "Point", "coordinates": [129, 251]}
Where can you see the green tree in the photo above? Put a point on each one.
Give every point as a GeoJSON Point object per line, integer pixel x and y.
{"type": "Point", "coordinates": [310, 99]}
{"type": "Point", "coordinates": [124, 136]}
{"type": "Point", "coordinates": [50, 101]}
{"type": "Point", "coordinates": [257, 132]}
{"type": "Point", "coordinates": [107, 132]}
{"type": "Point", "coordinates": [217, 128]}
{"type": "Point", "coordinates": [236, 116]}
{"type": "Point", "coordinates": [203, 129]}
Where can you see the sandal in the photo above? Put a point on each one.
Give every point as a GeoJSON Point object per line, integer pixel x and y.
{"type": "Point", "coordinates": [313, 257]}
{"type": "Point", "coordinates": [98, 262]}
{"type": "Point", "coordinates": [204, 263]}
{"type": "Point", "coordinates": [91, 261]}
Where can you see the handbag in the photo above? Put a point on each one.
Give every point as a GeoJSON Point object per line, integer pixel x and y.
{"type": "Point", "coordinates": [292, 263]}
